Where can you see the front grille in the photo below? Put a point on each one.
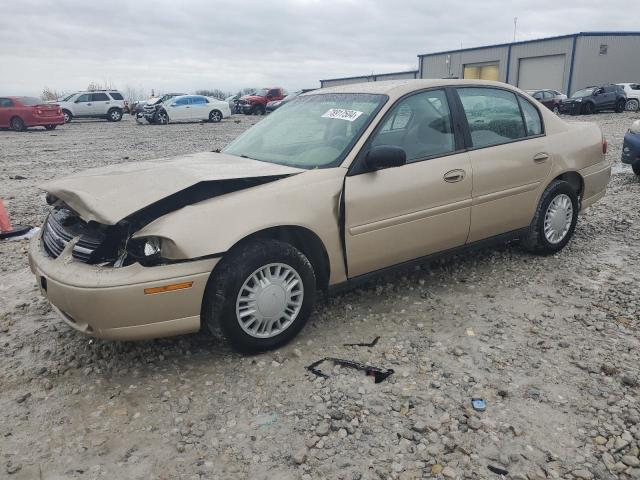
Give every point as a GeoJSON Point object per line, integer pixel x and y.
{"type": "Point", "coordinates": [61, 227]}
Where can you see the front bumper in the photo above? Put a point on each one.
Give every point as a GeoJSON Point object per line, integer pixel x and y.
{"type": "Point", "coordinates": [631, 148]}
{"type": "Point", "coordinates": [570, 108]}
{"type": "Point", "coordinates": [111, 303]}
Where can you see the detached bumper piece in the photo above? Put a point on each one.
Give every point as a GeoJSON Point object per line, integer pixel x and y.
{"type": "Point", "coordinates": [379, 374]}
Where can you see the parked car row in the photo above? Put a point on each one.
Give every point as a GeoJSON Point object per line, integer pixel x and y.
{"type": "Point", "coordinates": [617, 97]}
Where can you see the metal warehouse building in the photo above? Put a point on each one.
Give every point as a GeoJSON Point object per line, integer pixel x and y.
{"type": "Point", "coordinates": [566, 63]}
{"type": "Point", "coordinates": [333, 82]}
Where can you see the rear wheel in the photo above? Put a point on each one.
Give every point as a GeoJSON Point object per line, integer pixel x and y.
{"type": "Point", "coordinates": [50, 127]}
{"type": "Point", "coordinates": [554, 220]}
{"type": "Point", "coordinates": [215, 116]}
{"type": "Point", "coordinates": [114, 115]}
{"type": "Point", "coordinates": [636, 168]}
{"type": "Point", "coordinates": [17, 124]}
{"type": "Point", "coordinates": [67, 116]}
{"type": "Point", "coordinates": [261, 296]}
{"type": "Point", "coordinates": [620, 105]}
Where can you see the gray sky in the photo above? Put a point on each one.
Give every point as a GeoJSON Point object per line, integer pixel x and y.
{"type": "Point", "coordinates": [231, 44]}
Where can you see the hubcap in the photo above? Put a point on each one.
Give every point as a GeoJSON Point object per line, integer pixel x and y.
{"type": "Point", "coordinates": [633, 105]}
{"type": "Point", "coordinates": [557, 220]}
{"type": "Point", "coordinates": [66, 118]}
{"type": "Point", "coordinates": [269, 300]}
{"type": "Point", "coordinates": [215, 117]}
{"type": "Point", "coordinates": [115, 115]}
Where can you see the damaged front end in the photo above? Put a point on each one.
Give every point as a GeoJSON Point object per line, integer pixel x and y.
{"type": "Point", "coordinates": [116, 245]}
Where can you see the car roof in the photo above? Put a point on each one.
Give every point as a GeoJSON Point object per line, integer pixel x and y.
{"type": "Point", "coordinates": [397, 88]}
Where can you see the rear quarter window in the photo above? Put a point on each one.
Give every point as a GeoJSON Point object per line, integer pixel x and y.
{"type": "Point", "coordinates": [116, 96]}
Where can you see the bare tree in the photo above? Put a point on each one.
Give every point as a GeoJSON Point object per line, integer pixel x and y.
{"type": "Point", "coordinates": [106, 85]}
{"type": "Point", "coordinates": [215, 93]}
{"type": "Point", "coordinates": [133, 94]}
{"type": "Point", "coordinates": [50, 94]}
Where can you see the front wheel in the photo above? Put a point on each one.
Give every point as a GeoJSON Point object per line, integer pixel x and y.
{"type": "Point", "coordinates": [114, 115]}
{"type": "Point", "coordinates": [556, 109]}
{"type": "Point", "coordinates": [588, 108]}
{"type": "Point", "coordinates": [260, 296]}
{"type": "Point", "coordinates": [620, 105]}
{"type": "Point", "coordinates": [161, 117]}
{"type": "Point", "coordinates": [554, 220]}
{"type": "Point", "coordinates": [258, 110]}
{"type": "Point", "coordinates": [636, 168]}
{"type": "Point", "coordinates": [215, 116]}
{"type": "Point", "coordinates": [632, 105]}
{"type": "Point", "coordinates": [67, 116]}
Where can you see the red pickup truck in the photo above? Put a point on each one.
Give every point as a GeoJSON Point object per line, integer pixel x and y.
{"type": "Point", "coordinates": [256, 103]}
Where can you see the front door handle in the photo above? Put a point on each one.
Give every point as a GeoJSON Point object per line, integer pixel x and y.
{"type": "Point", "coordinates": [453, 176]}
{"type": "Point", "coordinates": [541, 157]}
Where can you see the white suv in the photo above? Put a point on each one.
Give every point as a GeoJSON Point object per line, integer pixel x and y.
{"type": "Point", "coordinates": [107, 104]}
{"type": "Point", "coordinates": [633, 95]}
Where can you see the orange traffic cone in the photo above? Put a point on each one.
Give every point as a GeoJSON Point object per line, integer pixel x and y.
{"type": "Point", "coordinates": [6, 230]}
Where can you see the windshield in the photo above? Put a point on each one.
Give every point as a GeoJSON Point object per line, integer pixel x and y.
{"type": "Point", "coordinates": [315, 131]}
{"type": "Point", "coordinates": [261, 93]}
{"type": "Point", "coordinates": [583, 93]}
{"type": "Point", "coordinates": [30, 101]}
{"type": "Point", "coordinates": [67, 98]}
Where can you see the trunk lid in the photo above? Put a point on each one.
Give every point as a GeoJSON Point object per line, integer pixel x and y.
{"type": "Point", "coordinates": [109, 194]}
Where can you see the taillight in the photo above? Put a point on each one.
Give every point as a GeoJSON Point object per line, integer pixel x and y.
{"type": "Point", "coordinates": [59, 111]}
{"type": "Point", "coordinates": [38, 111]}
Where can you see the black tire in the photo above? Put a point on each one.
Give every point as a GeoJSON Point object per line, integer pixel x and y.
{"type": "Point", "coordinates": [215, 116]}
{"type": "Point", "coordinates": [17, 124]}
{"type": "Point", "coordinates": [588, 108]}
{"type": "Point", "coordinates": [224, 285]}
{"type": "Point", "coordinates": [535, 240]}
{"type": "Point", "coordinates": [636, 168]}
{"type": "Point", "coordinates": [50, 127]}
{"type": "Point", "coordinates": [621, 105]}
{"type": "Point", "coordinates": [161, 117]}
{"type": "Point", "coordinates": [114, 115]}
{"type": "Point", "coordinates": [556, 109]}
{"type": "Point", "coordinates": [67, 116]}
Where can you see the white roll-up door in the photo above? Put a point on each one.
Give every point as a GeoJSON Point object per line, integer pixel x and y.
{"type": "Point", "coordinates": [542, 72]}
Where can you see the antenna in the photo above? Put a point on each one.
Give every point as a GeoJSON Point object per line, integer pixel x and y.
{"type": "Point", "coordinates": [515, 27]}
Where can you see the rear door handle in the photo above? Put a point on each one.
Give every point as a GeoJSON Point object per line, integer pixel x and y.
{"type": "Point", "coordinates": [453, 176]}
{"type": "Point", "coordinates": [541, 157]}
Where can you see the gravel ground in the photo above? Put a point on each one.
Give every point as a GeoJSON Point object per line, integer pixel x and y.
{"type": "Point", "coordinates": [551, 344]}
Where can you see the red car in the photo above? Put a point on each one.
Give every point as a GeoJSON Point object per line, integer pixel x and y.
{"type": "Point", "coordinates": [20, 113]}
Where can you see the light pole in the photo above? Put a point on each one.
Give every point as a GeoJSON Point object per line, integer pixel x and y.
{"type": "Point", "coordinates": [515, 26]}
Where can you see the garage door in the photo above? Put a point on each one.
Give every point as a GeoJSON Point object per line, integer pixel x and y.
{"type": "Point", "coordinates": [542, 72]}
{"type": "Point", "coordinates": [481, 71]}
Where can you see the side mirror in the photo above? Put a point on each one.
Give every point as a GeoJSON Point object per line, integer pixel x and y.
{"type": "Point", "coordinates": [385, 156]}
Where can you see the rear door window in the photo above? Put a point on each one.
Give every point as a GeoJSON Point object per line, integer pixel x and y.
{"type": "Point", "coordinates": [99, 97]}
{"type": "Point", "coordinates": [532, 118]}
{"type": "Point", "coordinates": [493, 116]}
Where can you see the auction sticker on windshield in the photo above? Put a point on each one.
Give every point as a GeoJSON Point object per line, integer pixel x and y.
{"type": "Point", "coordinates": [342, 114]}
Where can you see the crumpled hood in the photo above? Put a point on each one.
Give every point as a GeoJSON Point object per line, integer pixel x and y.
{"type": "Point", "coordinates": [110, 194]}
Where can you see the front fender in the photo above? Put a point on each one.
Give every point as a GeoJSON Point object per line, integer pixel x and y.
{"type": "Point", "coordinates": [212, 227]}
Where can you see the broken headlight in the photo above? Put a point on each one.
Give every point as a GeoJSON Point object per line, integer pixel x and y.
{"type": "Point", "coordinates": [147, 251]}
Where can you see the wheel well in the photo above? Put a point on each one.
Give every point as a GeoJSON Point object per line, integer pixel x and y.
{"type": "Point", "coordinates": [575, 180]}
{"type": "Point", "coordinates": [304, 240]}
